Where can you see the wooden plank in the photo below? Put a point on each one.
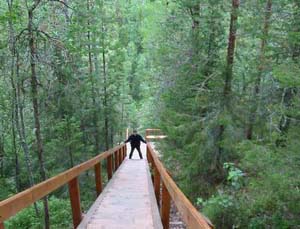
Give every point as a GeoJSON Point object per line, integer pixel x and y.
{"type": "Point", "coordinates": [148, 131]}
{"type": "Point", "coordinates": [116, 160]}
{"type": "Point", "coordinates": [151, 165]}
{"type": "Point", "coordinates": [16, 203]}
{"type": "Point", "coordinates": [75, 201]}
{"type": "Point", "coordinates": [109, 167]}
{"type": "Point", "coordinates": [157, 185]}
{"type": "Point", "coordinates": [119, 157]}
{"type": "Point", "coordinates": [148, 154]}
{"type": "Point", "coordinates": [165, 207]}
{"type": "Point", "coordinates": [125, 203]}
{"type": "Point", "coordinates": [189, 213]}
{"type": "Point", "coordinates": [112, 163]}
{"type": "Point", "coordinates": [98, 178]}
{"type": "Point", "coordinates": [123, 153]}
{"type": "Point", "coordinates": [156, 136]}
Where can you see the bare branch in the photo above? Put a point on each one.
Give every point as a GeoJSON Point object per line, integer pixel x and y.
{"type": "Point", "coordinates": [56, 41]}
{"type": "Point", "coordinates": [35, 5]}
{"type": "Point", "coordinates": [62, 2]}
{"type": "Point", "coordinates": [20, 34]}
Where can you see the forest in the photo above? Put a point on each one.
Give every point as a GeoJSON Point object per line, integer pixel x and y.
{"type": "Point", "coordinates": [220, 78]}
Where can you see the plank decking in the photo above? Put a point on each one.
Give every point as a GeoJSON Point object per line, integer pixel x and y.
{"type": "Point", "coordinates": [128, 200]}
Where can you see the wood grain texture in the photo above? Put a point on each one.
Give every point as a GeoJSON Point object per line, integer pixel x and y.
{"type": "Point", "coordinates": [157, 185]}
{"type": "Point", "coordinates": [127, 201]}
{"type": "Point", "coordinates": [109, 166]}
{"type": "Point", "coordinates": [119, 157]}
{"type": "Point", "coordinates": [75, 201]}
{"type": "Point", "coordinates": [98, 178]}
{"type": "Point", "coordinates": [165, 207]}
{"type": "Point", "coordinates": [116, 160]}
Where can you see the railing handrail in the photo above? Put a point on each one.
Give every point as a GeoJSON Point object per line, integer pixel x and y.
{"type": "Point", "coordinates": [11, 206]}
{"type": "Point", "coordinates": [150, 136]}
{"type": "Point", "coordinates": [190, 215]}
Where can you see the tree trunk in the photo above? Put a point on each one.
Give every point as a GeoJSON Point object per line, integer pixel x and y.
{"type": "Point", "coordinates": [225, 105]}
{"type": "Point", "coordinates": [94, 108]}
{"type": "Point", "coordinates": [2, 153]}
{"type": "Point", "coordinates": [20, 125]}
{"type": "Point", "coordinates": [12, 44]}
{"type": "Point", "coordinates": [290, 92]}
{"type": "Point", "coordinates": [14, 145]}
{"type": "Point", "coordinates": [261, 67]}
{"type": "Point", "coordinates": [69, 148]}
{"type": "Point", "coordinates": [195, 14]}
{"type": "Point", "coordinates": [34, 94]}
{"type": "Point", "coordinates": [230, 52]}
{"type": "Point", "coordinates": [106, 127]}
{"type": "Point", "coordinates": [106, 131]}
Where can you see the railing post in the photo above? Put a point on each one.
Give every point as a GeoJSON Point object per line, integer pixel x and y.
{"type": "Point", "coordinates": [123, 153]}
{"type": "Point", "coordinates": [151, 163]}
{"type": "Point", "coordinates": [165, 207]}
{"type": "Point", "coordinates": [147, 153]}
{"type": "Point", "coordinates": [98, 178]}
{"type": "Point", "coordinates": [120, 156]}
{"type": "Point", "coordinates": [75, 201]}
{"type": "Point", "coordinates": [116, 160]}
{"type": "Point", "coordinates": [157, 185]}
{"type": "Point", "coordinates": [109, 167]}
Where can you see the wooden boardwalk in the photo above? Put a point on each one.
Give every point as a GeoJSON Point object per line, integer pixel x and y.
{"type": "Point", "coordinates": [128, 200]}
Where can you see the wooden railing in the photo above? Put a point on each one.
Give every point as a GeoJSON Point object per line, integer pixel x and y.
{"type": "Point", "coordinates": [16, 203]}
{"type": "Point", "coordinates": [166, 190]}
{"type": "Point", "coordinates": [152, 134]}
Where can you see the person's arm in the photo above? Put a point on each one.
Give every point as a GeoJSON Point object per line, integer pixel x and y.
{"type": "Point", "coordinates": [142, 139]}
{"type": "Point", "coordinates": [128, 140]}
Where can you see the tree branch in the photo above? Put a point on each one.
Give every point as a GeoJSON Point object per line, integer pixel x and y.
{"type": "Point", "coordinates": [35, 5]}
{"type": "Point", "coordinates": [62, 2]}
{"type": "Point", "coordinates": [20, 34]}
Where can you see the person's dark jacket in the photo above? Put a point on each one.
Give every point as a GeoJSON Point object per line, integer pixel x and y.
{"type": "Point", "coordinates": [135, 140]}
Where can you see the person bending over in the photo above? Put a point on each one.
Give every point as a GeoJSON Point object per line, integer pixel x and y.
{"type": "Point", "coordinates": [135, 141]}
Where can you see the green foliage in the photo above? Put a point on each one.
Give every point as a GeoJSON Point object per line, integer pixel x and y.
{"type": "Point", "coordinates": [222, 209]}
{"type": "Point", "coordinates": [243, 183]}
{"type": "Point", "coordinates": [60, 216]}
{"type": "Point", "coordinates": [235, 175]}
{"type": "Point", "coordinates": [104, 66]}
{"type": "Point", "coordinates": [286, 74]}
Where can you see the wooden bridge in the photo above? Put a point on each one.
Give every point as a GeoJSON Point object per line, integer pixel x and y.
{"type": "Point", "coordinates": [138, 194]}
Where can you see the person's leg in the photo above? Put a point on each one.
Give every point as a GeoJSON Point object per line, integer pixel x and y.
{"type": "Point", "coordinates": [131, 152]}
{"type": "Point", "coordinates": [139, 150]}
